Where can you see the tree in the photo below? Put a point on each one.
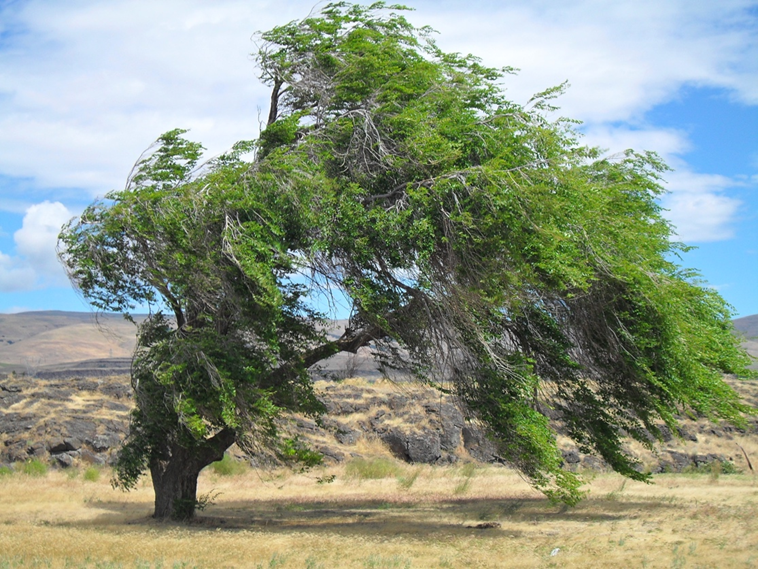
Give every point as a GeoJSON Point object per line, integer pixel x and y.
{"type": "Point", "coordinates": [480, 245]}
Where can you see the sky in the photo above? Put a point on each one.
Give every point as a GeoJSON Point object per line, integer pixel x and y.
{"type": "Point", "coordinates": [86, 86]}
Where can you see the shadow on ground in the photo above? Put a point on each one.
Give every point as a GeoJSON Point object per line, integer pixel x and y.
{"type": "Point", "coordinates": [453, 517]}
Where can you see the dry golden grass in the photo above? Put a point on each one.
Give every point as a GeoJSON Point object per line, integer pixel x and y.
{"type": "Point", "coordinates": [280, 519]}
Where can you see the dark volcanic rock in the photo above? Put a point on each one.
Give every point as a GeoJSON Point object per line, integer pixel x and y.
{"type": "Point", "coordinates": [686, 434]}
{"type": "Point", "coordinates": [678, 460]}
{"type": "Point", "coordinates": [117, 390]}
{"type": "Point", "coordinates": [53, 394]}
{"type": "Point", "coordinates": [571, 456]}
{"type": "Point", "coordinates": [105, 442]}
{"type": "Point", "coordinates": [477, 444]}
{"type": "Point", "coordinates": [348, 436]}
{"type": "Point", "coordinates": [116, 406]}
{"type": "Point", "coordinates": [452, 423]}
{"type": "Point", "coordinates": [397, 443]}
{"type": "Point", "coordinates": [90, 457]}
{"type": "Point", "coordinates": [56, 445]}
{"type": "Point", "coordinates": [16, 451]}
{"type": "Point", "coordinates": [331, 453]}
{"type": "Point", "coordinates": [64, 459]}
{"type": "Point", "coordinates": [8, 399]}
{"type": "Point", "coordinates": [14, 423]}
{"type": "Point", "coordinates": [423, 447]}
{"type": "Point", "coordinates": [80, 428]}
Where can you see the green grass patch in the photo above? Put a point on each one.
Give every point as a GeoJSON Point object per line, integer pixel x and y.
{"type": "Point", "coordinates": [372, 468]}
{"type": "Point", "coordinates": [227, 466]}
{"type": "Point", "coordinates": [714, 469]}
{"type": "Point", "coordinates": [5, 471]}
{"type": "Point", "coordinates": [34, 467]}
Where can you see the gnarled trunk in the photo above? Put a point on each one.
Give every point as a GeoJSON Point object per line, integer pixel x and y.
{"type": "Point", "coordinates": [175, 470]}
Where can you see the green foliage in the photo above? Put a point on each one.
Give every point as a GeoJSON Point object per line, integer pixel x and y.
{"type": "Point", "coordinates": [457, 222]}
{"type": "Point", "coordinates": [372, 468]}
{"type": "Point", "coordinates": [5, 471]}
{"type": "Point", "coordinates": [34, 467]}
{"type": "Point", "coordinates": [295, 450]}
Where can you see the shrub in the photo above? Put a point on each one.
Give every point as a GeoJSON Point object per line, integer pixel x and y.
{"type": "Point", "coordinates": [92, 474]}
{"type": "Point", "coordinates": [728, 467]}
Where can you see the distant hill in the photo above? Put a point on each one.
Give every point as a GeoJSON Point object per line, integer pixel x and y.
{"type": "Point", "coordinates": [90, 344]}
{"type": "Point", "coordinates": [747, 326]}
{"type": "Point", "coordinates": [47, 340]}
{"type": "Point", "coordinates": [54, 344]}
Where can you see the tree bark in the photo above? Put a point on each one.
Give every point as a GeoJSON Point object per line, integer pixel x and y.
{"type": "Point", "coordinates": [175, 470]}
{"type": "Point", "coordinates": [273, 111]}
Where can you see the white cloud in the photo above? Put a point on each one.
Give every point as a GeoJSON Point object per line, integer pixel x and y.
{"type": "Point", "coordinates": [621, 57]}
{"type": "Point", "coordinates": [37, 238]}
{"type": "Point", "coordinates": [698, 208]}
{"type": "Point", "coordinates": [35, 263]}
{"type": "Point", "coordinates": [85, 86]}
{"type": "Point", "coordinates": [90, 85]}
{"type": "Point", "coordinates": [14, 274]}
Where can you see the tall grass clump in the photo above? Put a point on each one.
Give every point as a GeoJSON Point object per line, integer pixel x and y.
{"type": "Point", "coordinates": [372, 468]}
{"type": "Point", "coordinates": [34, 467]}
{"type": "Point", "coordinates": [467, 473]}
{"type": "Point", "coordinates": [227, 466]}
{"type": "Point", "coordinates": [406, 481]}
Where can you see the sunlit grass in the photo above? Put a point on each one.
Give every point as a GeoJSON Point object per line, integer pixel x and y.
{"type": "Point", "coordinates": [283, 519]}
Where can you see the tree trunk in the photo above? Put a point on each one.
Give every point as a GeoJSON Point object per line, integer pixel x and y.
{"type": "Point", "coordinates": [175, 470]}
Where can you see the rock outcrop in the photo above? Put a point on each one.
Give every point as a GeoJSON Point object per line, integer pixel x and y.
{"type": "Point", "coordinates": [76, 420]}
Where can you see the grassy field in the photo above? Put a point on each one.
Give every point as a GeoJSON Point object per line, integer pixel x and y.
{"type": "Point", "coordinates": [378, 513]}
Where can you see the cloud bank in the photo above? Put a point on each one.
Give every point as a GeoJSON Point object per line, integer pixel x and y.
{"type": "Point", "coordinates": [85, 86]}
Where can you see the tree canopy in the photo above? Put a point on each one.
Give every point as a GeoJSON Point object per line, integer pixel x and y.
{"type": "Point", "coordinates": [480, 245]}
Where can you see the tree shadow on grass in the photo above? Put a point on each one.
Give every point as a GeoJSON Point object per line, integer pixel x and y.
{"type": "Point", "coordinates": [440, 518]}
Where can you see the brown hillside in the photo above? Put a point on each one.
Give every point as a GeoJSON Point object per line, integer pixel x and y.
{"type": "Point", "coordinates": [32, 341]}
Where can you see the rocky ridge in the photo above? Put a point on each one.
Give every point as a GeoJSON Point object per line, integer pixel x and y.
{"type": "Point", "coordinates": [78, 420]}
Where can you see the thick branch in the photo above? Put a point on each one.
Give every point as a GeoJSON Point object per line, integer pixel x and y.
{"type": "Point", "coordinates": [214, 448]}
{"type": "Point", "coordinates": [350, 341]}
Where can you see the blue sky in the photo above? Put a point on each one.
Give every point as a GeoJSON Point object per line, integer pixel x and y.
{"type": "Point", "coordinates": [86, 85]}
